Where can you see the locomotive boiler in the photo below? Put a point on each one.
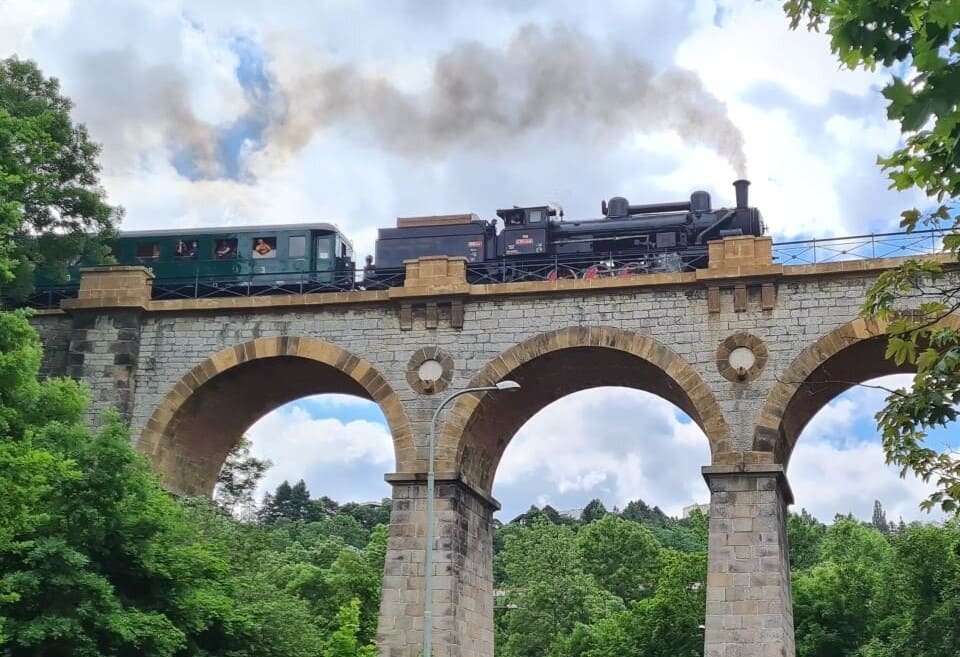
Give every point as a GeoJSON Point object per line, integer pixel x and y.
{"type": "Point", "coordinates": [536, 243]}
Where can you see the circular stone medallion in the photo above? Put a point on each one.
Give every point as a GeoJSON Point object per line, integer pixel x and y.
{"type": "Point", "coordinates": [741, 357]}
{"type": "Point", "coordinates": [429, 370]}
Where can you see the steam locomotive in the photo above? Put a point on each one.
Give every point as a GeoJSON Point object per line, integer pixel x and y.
{"type": "Point", "coordinates": [535, 243]}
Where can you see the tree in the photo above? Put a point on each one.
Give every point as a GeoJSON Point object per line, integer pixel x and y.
{"type": "Point", "coordinates": [665, 625]}
{"type": "Point", "coordinates": [549, 593]}
{"type": "Point", "coordinates": [289, 502]}
{"type": "Point", "coordinates": [622, 556]}
{"type": "Point", "coordinates": [593, 511]}
{"type": "Point", "coordinates": [640, 511]}
{"type": "Point", "coordinates": [343, 642]}
{"type": "Point", "coordinates": [52, 208]}
{"type": "Point", "coordinates": [96, 559]}
{"type": "Point", "coordinates": [369, 515]}
{"type": "Point", "coordinates": [239, 477]}
{"type": "Point", "coordinates": [805, 534]}
{"type": "Point", "coordinates": [879, 519]}
{"type": "Point", "coordinates": [834, 600]}
{"type": "Point", "coordinates": [920, 37]}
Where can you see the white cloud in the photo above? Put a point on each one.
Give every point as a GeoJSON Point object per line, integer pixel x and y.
{"type": "Point", "coordinates": [753, 45]}
{"type": "Point", "coordinates": [827, 479]}
{"type": "Point", "coordinates": [302, 446]}
{"type": "Point", "coordinates": [612, 443]}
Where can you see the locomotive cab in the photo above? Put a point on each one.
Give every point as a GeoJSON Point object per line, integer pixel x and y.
{"type": "Point", "coordinates": [524, 230]}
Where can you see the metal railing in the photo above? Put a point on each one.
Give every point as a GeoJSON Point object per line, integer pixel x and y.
{"type": "Point", "coordinates": [860, 247]}
{"type": "Point", "coordinates": [584, 266]}
{"type": "Point", "coordinates": [801, 252]}
{"type": "Point", "coordinates": [254, 285]}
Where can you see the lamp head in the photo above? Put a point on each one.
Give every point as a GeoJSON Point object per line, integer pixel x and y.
{"type": "Point", "coordinates": [507, 385]}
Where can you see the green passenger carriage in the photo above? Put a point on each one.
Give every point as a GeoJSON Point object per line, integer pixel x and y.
{"type": "Point", "coordinates": [242, 259]}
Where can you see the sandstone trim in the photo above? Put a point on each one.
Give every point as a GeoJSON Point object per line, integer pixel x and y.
{"type": "Point", "coordinates": [158, 433]}
{"type": "Point", "coordinates": [769, 435]}
{"type": "Point", "coordinates": [478, 468]}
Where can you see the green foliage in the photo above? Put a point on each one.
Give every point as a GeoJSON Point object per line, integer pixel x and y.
{"type": "Point", "coordinates": [805, 534]}
{"type": "Point", "coordinates": [919, 37]}
{"type": "Point", "coordinates": [288, 502]}
{"type": "Point", "coordinates": [622, 556]}
{"type": "Point", "coordinates": [51, 206]}
{"type": "Point", "coordinates": [238, 479]}
{"type": "Point", "coordinates": [96, 559]}
{"type": "Point", "coordinates": [344, 642]}
{"type": "Point", "coordinates": [549, 592]}
{"type": "Point", "coordinates": [593, 511]}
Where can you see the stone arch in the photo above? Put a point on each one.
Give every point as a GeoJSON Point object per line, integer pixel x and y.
{"type": "Point", "coordinates": [846, 356]}
{"type": "Point", "coordinates": [475, 435]}
{"type": "Point", "coordinates": [190, 432]}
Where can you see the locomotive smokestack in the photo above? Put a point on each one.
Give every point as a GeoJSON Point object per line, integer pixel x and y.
{"type": "Point", "coordinates": [740, 186]}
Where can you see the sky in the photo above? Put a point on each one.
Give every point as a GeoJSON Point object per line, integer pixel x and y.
{"type": "Point", "coordinates": [236, 113]}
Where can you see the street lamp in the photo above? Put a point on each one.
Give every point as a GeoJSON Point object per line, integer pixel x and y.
{"type": "Point", "coordinates": [428, 556]}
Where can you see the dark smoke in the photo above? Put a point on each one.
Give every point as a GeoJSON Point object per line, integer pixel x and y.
{"type": "Point", "coordinates": [485, 98]}
{"type": "Point", "coordinates": [559, 82]}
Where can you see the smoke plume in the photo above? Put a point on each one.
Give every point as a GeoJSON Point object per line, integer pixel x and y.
{"type": "Point", "coordinates": [557, 82]}
{"type": "Point", "coordinates": [484, 98]}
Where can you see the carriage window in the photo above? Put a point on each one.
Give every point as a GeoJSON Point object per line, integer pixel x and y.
{"type": "Point", "coordinates": [225, 249]}
{"type": "Point", "coordinates": [264, 247]}
{"type": "Point", "coordinates": [185, 250]}
{"type": "Point", "coordinates": [148, 251]}
{"type": "Point", "coordinates": [298, 246]}
{"type": "Point", "coordinates": [323, 248]}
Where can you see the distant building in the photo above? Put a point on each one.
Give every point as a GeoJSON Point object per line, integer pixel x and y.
{"type": "Point", "coordinates": [702, 508]}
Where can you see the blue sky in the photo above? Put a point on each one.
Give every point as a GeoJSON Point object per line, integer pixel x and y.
{"type": "Point", "coordinates": [254, 112]}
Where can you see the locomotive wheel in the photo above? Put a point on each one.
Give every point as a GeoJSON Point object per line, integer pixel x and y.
{"type": "Point", "coordinates": [561, 272]}
{"type": "Point", "coordinates": [601, 270]}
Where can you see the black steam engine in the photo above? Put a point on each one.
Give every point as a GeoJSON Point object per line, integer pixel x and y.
{"type": "Point", "coordinates": [535, 243]}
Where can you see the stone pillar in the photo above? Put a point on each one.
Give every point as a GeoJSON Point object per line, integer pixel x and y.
{"type": "Point", "coordinates": [462, 566]}
{"type": "Point", "coordinates": [749, 608]}
{"type": "Point", "coordinates": [105, 339]}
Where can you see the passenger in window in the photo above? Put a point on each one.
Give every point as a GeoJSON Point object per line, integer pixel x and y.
{"type": "Point", "coordinates": [192, 251]}
{"type": "Point", "coordinates": [155, 252]}
{"type": "Point", "coordinates": [224, 250]}
{"type": "Point", "coordinates": [181, 249]}
{"type": "Point", "coordinates": [262, 250]}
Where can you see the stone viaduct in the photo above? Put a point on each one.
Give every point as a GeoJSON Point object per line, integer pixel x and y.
{"type": "Point", "coordinates": [749, 349]}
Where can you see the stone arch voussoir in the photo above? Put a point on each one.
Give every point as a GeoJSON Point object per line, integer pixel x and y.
{"type": "Point", "coordinates": [770, 434]}
{"type": "Point", "coordinates": [454, 454]}
{"type": "Point", "coordinates": [157, 441]}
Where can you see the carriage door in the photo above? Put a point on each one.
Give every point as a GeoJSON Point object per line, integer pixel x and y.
{"type": "Point", "coordinates": [324, 252]}
{"type": "Point", "coordinates": [297, 252]}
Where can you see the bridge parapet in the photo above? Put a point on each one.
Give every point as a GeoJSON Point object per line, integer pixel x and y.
{"type": "Point", "coordinates": [740, 256]}
{"type": "Point", "coordinates": [112, 286]}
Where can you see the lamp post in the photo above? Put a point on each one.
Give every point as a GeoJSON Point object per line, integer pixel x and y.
{"type": "Point", "coordinates": [428, 555]}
